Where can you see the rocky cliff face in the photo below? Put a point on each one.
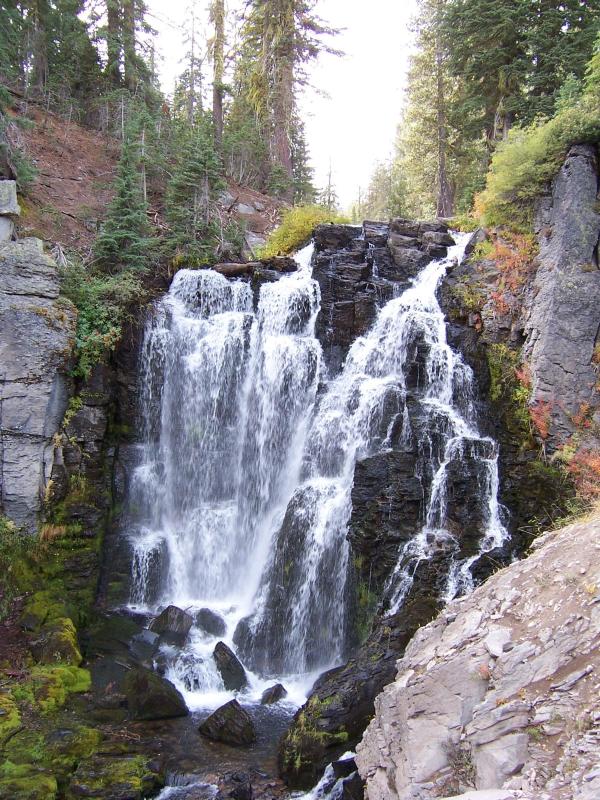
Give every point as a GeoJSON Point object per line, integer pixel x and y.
{"type": "Point", "coordinates": [501, 690]}
{"type": "Point", "coordinates": [37, 340]}
{"type": "Point", "coordinates": [563, 326]}
{"type": "Point", "coordinates": [525, 312]}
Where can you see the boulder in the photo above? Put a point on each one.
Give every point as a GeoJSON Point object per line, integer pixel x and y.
{"type": "Point", "coordinates": [210, 622]}
{"type": "Point", "coordinates": [230, 724]}
{"type": "Point", "coordinates": [440, 238]}
{"type": "Point", "coordinates": [343, 768]}
{"type": "Point", "coordinates": [172, 625]}
{"type": "Point", "coordinates": [353, 787]}
{"type": "Point", "coordinates": [241, 787]}
{"type": "Point", "coordinates": [232, 672]}
{"type": "Point", "coordinates": [144, 645]}
{"type": "Point", "coordinates": [151, 697]}
{"type": "Point", "coordinates": [273, 694]}
{"type": "Point", "coordinates": [57, 644]}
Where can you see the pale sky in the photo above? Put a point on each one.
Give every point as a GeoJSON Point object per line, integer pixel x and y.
{"type": "Point", "coordinates": [355, 124]}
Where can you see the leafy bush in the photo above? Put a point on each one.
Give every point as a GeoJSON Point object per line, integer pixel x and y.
{"type": "Point", "coordinates": [532, 156]}
{"type": "Point", "coordinates": [103, 303]}
{"type": "Point", "coordinates": [297, 226]}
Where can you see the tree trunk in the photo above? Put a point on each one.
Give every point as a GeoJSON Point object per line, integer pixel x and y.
{"type": "Point", "coordinates": [39, 45]}
{"type": "Point", "coordinates": [444, 198]}
{"type": "Point", "coordinates": [129, 54]}
{"type": "Point", "coordinates": [218, 18]}
{"type": "Point", "coordinates": [113, 41]}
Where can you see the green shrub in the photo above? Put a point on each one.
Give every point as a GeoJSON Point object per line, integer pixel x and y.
{"type": "Point", "coordinates": [103, 303]}
{"type": "Point", "coordinates": [297, 226]}
{"type": "Point", "coordinates": [532, 156]}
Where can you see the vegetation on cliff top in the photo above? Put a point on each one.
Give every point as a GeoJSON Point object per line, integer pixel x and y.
{"type": "Point", "coordinates": [296, 229]}
{"type": "Point", "coordinates": [505, 76]}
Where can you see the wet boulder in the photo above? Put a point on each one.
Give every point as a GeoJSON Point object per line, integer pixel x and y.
{"type": "Point", "coordinates": [353, 788]}
{"type": "Point", "coordinates": [344, 767]}
{"type": "Point", "coordinates": [273, 694]}
{"type": "Point", "coordinates": [241, 786]}
{"type": "Point", "coordinates": [228, 664]}
{"type": "Point", "coordinates": [144, 645]}
{"type": "Point", "coordinates": [230, 724]}
{"type": "Point", "coordinates": [172, 625]}
{"type": "Point", "coordinates": [151, 697]}
{"type": "Point", "coordinates": [210, 622]}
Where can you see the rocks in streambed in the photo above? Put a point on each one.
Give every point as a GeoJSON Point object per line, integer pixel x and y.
{"type": "Point", "coordinates": [230, 724]}
{"type": "Point", "coordinates": [144, 645]}
{"type": "Point", "coordinates": [172, 625]}
{"type": "Point", "coordinates": [210, 622]}
{"type": "Point", "coordinates": [273, 694]}
{"type": "Point", "coordinates": [151, 697]}
{"type": "Point", "coordinates": [241, 786]}
{"type": "Point", "coordinates": [228, 664]}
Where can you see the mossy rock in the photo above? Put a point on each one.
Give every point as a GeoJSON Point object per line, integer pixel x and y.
{"type": "Point", "coordinates": [10, 719]}
{"type": "Point", "coordinates": [42, 608]}
{"type": "Point", "coordinates": [120, 778]}
{"type": "Point", "coordinates": [52, 685]}
{"type": "Point", "coordinates": [151, 697]}
{"type": "Point", "coordinates": [26, 747]}
{"type": "Point", "coordinates": [57, 644]}
{"type": "Point", "coordinates": [26, 782]}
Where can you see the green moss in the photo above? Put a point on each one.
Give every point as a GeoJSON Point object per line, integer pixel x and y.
{"type": "Point", "coordinates": [58, 644]}
{"type": "Point", "coordinates": [131, 774]}
{"type": "Point", "coordinates": [26, 747]}
{"type": "Point", "coordinates": [304, 742]}
{"type": "Point", "coordinates": [41, 608]}
{"type": "Point", "coordinates": [468, 297]}
{"type": "Point", "coordinates": [508, 393]}
{"type": "Point", "coordinates": [51, 686]}
{"type": "Point", "coordinates": [26, 782]}
{"type": "Point", "coordinates": [10, 719]}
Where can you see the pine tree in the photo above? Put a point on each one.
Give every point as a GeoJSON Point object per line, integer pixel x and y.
{"type": "Point", "coordinates": [217, 17]}
{"type": "Point", "coordinates": [328, 197]}
{"type": "Point", "coordinates": [195, 226]}
{"type": "Point", "coordinates": [124, 241]}
{"type": "Point", "coordinates": [279, 38]}
{"type": "Point", "coordinates": [386, 194]}
{"type": "Point", "coordinates": [305, 192]}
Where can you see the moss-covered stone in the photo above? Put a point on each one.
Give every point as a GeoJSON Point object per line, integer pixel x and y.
{"type": "Point", "coordinates": [10, 719]}
{"type": "Point", "coordinates": [26, 782]}
{"type": "Point", "coordinates": [50, 686]}
{"type": "Point", "coordinates": [302, 746]}
{"type": "Point", "coordinates": [57, 644]}
{"type": "Point", "coordinates": [42, 607]}
{"type": "Point", "coordinates": [129, 777]}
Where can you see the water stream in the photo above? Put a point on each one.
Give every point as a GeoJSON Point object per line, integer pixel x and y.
{"type": "Point", "coordinates": [243, 494]}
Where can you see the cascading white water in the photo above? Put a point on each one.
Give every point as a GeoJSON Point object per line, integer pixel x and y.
{"type": "Point", "coordinates": [354, 419]}
{"type": "Point", "coordinates": [246, 478]}
{"type": "Point", "coordinates": [227, 397]}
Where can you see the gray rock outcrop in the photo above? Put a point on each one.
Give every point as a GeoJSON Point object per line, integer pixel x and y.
{"type": "Point", "coordinates": [36, 344]}
{"type": "Point", "coordinates": [9, 209]}
{"type": "Point", "coordinates": [500, 693]}
{"type": "Point", "coordinates": [564, 322]}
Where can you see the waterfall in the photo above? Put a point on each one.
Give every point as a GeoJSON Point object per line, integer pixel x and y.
{"type": "Point", "coordinates": [243, 495]}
